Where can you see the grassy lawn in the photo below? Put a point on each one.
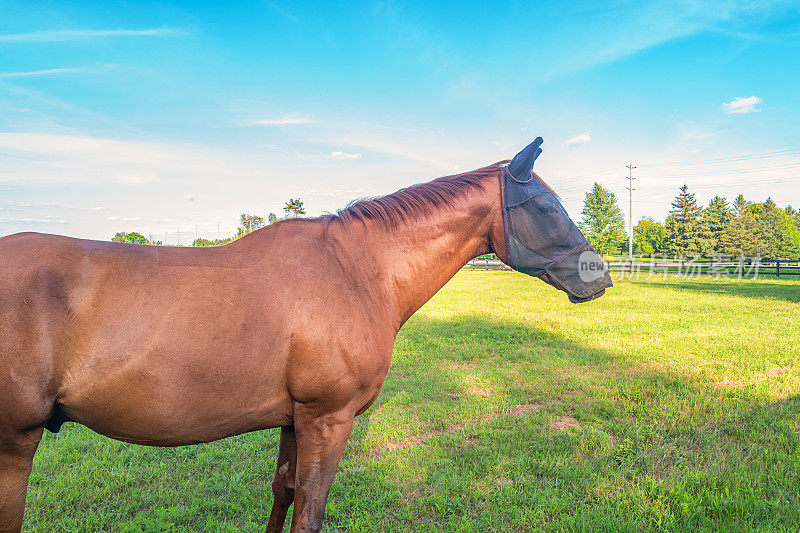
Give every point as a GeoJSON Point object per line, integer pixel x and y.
{"type": "Point", "coordinates": [665, 405]}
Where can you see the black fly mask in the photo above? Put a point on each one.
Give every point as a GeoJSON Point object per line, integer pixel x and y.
{"type": "Point", "coordinates": [541, 239]}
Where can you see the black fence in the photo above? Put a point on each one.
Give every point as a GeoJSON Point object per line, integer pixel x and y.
{"type": "Point", "coordinates": [741, 268]}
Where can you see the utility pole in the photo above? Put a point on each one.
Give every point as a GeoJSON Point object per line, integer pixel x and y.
{"type": "Point", "coordinates": [630, 211]}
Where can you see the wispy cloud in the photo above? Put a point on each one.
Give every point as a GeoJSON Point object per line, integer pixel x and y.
{"type": "Point", "coordinates": [583, 138]}
{"type": "Point", "coordinates": [345, 155]}
{"type": "Point", "coordinates": [283, 12]}
{"type": "Point", "coordinates": [283, 121]}
{"type": "Point", "coordinates": [24, 220]}
{"type": "Point", "coordinates": [16, 206]}
{"type": "Point", "coordinates": [48, 158]}
{"type": "Point", "coordinates": [188, 198]}
{"type": "Point", "coordinates": [621, 33]}
{"type": "Point", "coordinates": [338, 193]}
{"type": "Point", "coordinates": [71, 35]}
{"type": "Point", "coordinates": [46, 72]}
{"type": "Point", "coordinates": [139, 219]}
{"type": "Point", "coordinates": [741, 104]}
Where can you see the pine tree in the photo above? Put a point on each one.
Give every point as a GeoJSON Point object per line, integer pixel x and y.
{"type": "Point", "coordinates": [687, 232]}
{"type": "Point", "coordinates": [742, 237]}
{"type": "Point", "coordinates": [740, 206]}
{"type": "Point", "coordinates": [779, 236]}
{"type": "Point", "coordinates": [602, 222]}
{"type": "Point", "coordinates": [718, 217]}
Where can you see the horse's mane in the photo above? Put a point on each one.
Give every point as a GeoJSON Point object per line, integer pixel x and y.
{"type": "Point", "coordinates": [415, 201]}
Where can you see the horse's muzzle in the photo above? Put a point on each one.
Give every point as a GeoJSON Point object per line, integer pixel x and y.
{"type": "Point", "coordinates": [578, 300]}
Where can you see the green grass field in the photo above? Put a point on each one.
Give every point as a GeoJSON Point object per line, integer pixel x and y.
{"type": "Point", "coordinates": [665, 405]}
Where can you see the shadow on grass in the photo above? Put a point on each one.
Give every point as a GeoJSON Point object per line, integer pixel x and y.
{"type": "Point", "coordinates": [653, 448]}
{"type": "Point", "coordinates": [484, 343]}
{"type": "Point", "coordinates": [643, 431]}
{"type": "Point", "coordinates": [749, 289]}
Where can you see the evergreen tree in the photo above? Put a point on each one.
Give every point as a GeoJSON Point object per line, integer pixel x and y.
{"type": "Point", "coordinates": [272, 218]}
{"type": "Point", "coordinates": [779, 236]}
{"type": "Point", "coordinates": [740, 206]}
{"type": "Point", "coordinates": [602, 222]}
{"type": "Point", "coordinates": [742, 236]}
{"type": "Point", "coordinates": [202, 242]}
{"type": "Point", "coordinates": [718, 217]}
{"type": "Point", "coordinates": [687, 232]}
{"type": "Point", "coordinates": [648, 237]}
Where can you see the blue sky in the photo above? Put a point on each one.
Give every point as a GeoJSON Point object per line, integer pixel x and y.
{"type": "Point", "coordinates": [174, 117]}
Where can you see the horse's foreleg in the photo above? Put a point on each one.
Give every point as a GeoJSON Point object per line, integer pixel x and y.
{"type": "Point", "coordinates": [283, 484]}
{"type": "Point", "coordinates": [320, 443]}
{"type": "Point", "coordinates": [16, 460]}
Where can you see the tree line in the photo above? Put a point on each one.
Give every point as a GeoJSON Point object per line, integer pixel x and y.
{"type": "Point", "coordinates": [248, 223]}
{"type": "Point", "coordinates": [690, 230]}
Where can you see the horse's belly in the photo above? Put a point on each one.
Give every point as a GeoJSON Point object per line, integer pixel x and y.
{"type": "Point", "coordinates": [170, 402]}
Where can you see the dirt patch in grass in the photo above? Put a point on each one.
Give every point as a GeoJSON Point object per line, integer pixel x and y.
{"type": "Point", "coordinates": [731, 383]}
{"type": "Point", "coordinates": [521, 409]}
{"type": "Point", "coordinates": [775, 372]}
{"type": "Point", "coordinates": [452, 429]}
{"type": "Point", "coordinates": [483, 392]}
{"type": "Point", "coordinates": [767, 374]}
{"type": "Point", "coordinates": [565, 423]}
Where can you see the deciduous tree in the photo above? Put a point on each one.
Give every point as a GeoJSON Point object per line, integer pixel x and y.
{"type": "Point", "coordinates": [132, 238]}
{"type": "Point", "coordinates": [648, 237]}
{"type": "Point", "coordinates": [248, 223]}
{"type": "Point", "coordinates": [294, 207]}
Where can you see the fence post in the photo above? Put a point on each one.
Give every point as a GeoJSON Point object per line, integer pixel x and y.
{"type": "Point", "coordinates": [487, 264]}
{"type": "Point", "coordinates": [777, 268]}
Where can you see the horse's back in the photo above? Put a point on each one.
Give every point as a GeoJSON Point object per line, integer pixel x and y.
{"type": "Point", "coordinates": [168, 345]}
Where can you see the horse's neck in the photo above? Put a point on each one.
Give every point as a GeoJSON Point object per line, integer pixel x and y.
{"type": "Point", "coordinates": [420, 256]}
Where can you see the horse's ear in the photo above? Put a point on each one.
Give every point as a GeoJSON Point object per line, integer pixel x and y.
{"type": "Point", "coordinates": [522, 164]}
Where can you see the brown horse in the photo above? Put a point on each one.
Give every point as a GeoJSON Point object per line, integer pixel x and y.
{"type": "Point", "coordinates": [291, 326]}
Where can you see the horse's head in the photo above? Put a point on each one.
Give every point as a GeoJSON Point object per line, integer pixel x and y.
{"type": "Point", "coordinates": [541, 239]}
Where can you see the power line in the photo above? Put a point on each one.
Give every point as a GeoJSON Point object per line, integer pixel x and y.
{"type": "Point", "coordinates": [598, 173]}
{"type": "Point", "coordinates": [779, 153]}
{"type": "Point", "coordinates": [725, 172]}
{"type": "Point", "coordinates": [730, 184]}
{"type": "Point", "coordinates": [764, 155]}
